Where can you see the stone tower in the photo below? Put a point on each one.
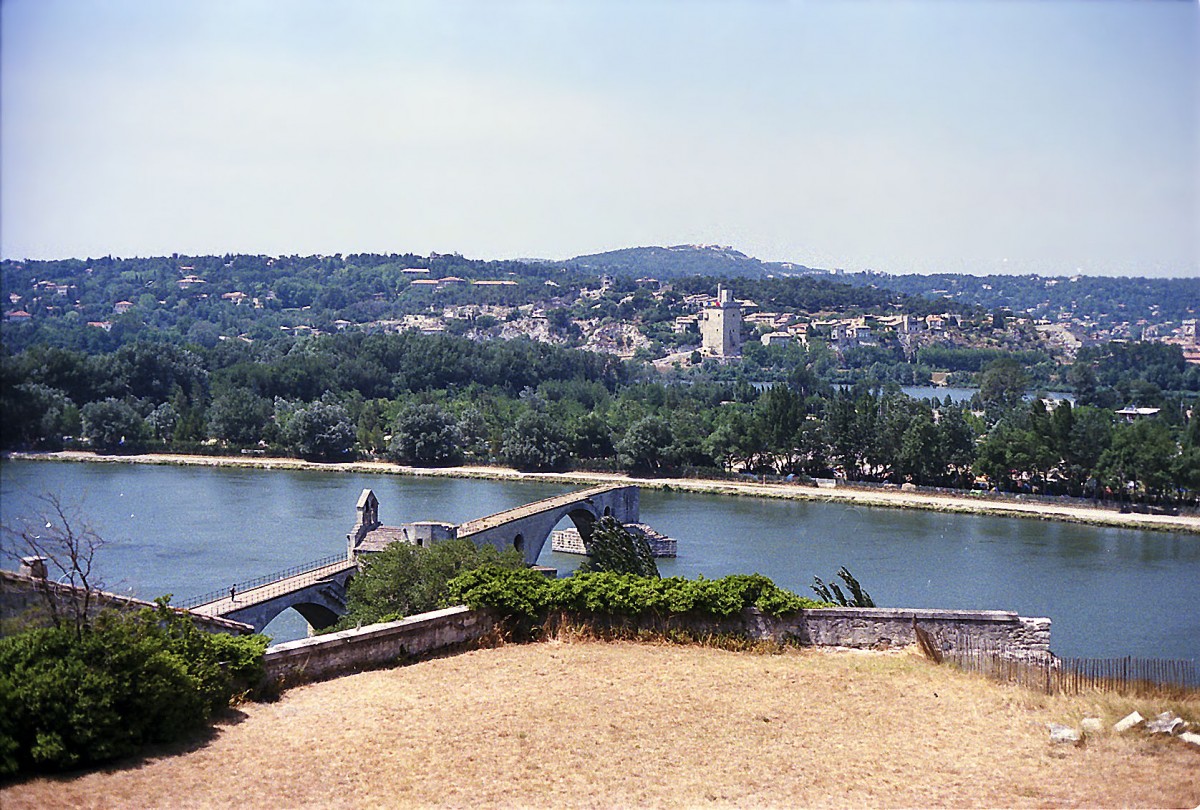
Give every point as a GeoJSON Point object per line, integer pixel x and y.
{"type": "Point", "coordinates": [721, 326]}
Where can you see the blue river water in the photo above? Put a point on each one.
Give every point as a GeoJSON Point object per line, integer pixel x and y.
{"type": "Point", "coordinates": [189, 530]}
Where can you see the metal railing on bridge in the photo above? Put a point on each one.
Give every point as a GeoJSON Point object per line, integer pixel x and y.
{"type": "Point", "coordinates": [267, 579]}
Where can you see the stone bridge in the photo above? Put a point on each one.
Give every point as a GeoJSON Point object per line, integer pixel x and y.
{"type": "Point", "coordinates": [527, 528]}
{"type": "Point", "coordinates": [317, 591]}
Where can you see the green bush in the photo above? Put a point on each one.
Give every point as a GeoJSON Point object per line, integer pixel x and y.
{"type": "Point", "coordinates": [403, 580]}
{"type": "Point", "coordinates": [70, 698]}
{"type": "Point", "coordinates": [525, 597]}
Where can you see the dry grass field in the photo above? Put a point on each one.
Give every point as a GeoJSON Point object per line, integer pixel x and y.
{"type": "Point", "coordinates": [589, 724]}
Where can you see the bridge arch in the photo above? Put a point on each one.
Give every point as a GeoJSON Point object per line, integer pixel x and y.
{"type": "Point", "coordinates": [533, 522]}
{"type": "Point", "coordinates": [320, 605]}
{"type": "Point", "coordinates": [316, 616]}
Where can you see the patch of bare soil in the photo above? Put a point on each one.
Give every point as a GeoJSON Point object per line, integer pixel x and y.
{"type": "Point", "coordinates": [588, 724]}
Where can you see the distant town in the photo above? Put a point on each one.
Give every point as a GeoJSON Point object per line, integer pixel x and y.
{"type": "Point", "coordinates": [668, 321]}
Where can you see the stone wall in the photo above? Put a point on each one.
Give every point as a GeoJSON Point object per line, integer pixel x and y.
{"type": "Point", "coordinates": [952, 630]}
{"type": "Point", "coordinates": [23, 603]}
{"type": "Point", "coordinates": [391, 643]}
{"type": "Point", "coordinates": [997, 631]}
{"type": "Point", "coordinates": [376, 645]}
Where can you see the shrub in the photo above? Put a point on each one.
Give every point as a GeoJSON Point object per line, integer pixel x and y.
{"type": "Point", "coordinates": [525, 597]}
{"type": "Point", "coordinates": [403, 579]}
{"type": "Point", "coordinates": [519, 595]}
{"type": "Point", "coordinates": [858, 597]}
{"type": "Point", "coordinates": [71, 698]}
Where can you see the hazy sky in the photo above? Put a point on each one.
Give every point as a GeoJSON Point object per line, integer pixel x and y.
{"type": "Point", "coordinates": [1006, 136]}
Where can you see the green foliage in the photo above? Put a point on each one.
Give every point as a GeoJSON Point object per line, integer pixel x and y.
{"type": "Point", "coordinates": [1141, 454]}
{"type": "Point", "coordinates": [426, 435]}
{"type": "Point", "coordinates": [403, 580]}
{"type": "Point", "coordinates": [858, 597]}
{"type": "Point", "coordinates": [68, 700]}
{"type": "Point", "coordinates": [645, 445]}
{"type": "Point", "coordinates": [525, 597]}
{"type": "Point", "coordinates": [536, 442]}
{"type": "Point", "coordinates": [238, 416]}
{"type": "Point", "coordinates": [322, 431]}
{"type": "Point", "coordinates": [1002, 384]}
{"type": "Point", "coordinates": [613, 548]}
{"type": "Point", "coordinates": [519, 595]}
{"type": "Point", "coordinates": [112, 424]}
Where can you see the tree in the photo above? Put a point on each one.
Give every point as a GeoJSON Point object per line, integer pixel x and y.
{"type": "Point", "coordinates": [591, 437]}
{"type": "Point", "coordinates": [535, 442]}
{"type": "Point", "coordinates": [239, 416]}
{"type": "Point", "coordinates": [1002, 384]}
{"type": "Point", "coordinates": [112, 425]}
{"type": "Point", "coordinates": [919, 456]}
{"type": "Point", "coordinates": [956, 440]}
{"type": "Point", "coordinates": [162, 421]}
{"type": "Point", "coordinates": [644, 446]}
{"type": "Point", "coordinates": [66, 544]}
{"type": "Point", "coordinates": [1142, 454]}
{"type": "Point", "coordinates": [321, 431]}
{"type": "Point", "coordinates": [780, 413]}
{"type": "Point", "coordinates": [1082, 378]}
{"type": "Point", "coordinates": [36, 414]}
{"type": "Point", "coordinates": [154, 371]}
{"type": "Point", "coordinates": [613, 548]}
{"type": "Point", "coordinates": [849, 425]}
{"type": "Point", "coordinates": [403, 579]}
{"type": "Point", "coordinates": [426, 435]}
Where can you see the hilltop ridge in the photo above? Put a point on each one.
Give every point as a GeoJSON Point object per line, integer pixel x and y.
{"type": "Point", "coordinates": [686, 260]}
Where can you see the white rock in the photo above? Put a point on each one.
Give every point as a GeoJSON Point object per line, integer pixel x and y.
{"type": "Point", "coordinates": [1128, 722]}
{"type": "Point", "coordinates": [1092, 725]}
{"type": "Point", "coordinates": [1166, 723]}
{"type": "Point", "coordinates": [1063, 734]}
{"type": "Point", "coordinates": [1190, 736]}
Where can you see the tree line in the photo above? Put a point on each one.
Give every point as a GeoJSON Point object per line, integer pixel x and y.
{"type": "Point", "coordinates": [437, 400]}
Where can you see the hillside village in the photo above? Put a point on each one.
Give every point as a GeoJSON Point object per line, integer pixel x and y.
{"type": "Point", "coordinates": [657, 320]}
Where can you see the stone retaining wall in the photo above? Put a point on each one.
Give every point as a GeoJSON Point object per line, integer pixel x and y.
{"type": "Point", "coordinates": [1003, 632]}
{"type": "Point", "coordinates": [376, 645]}
{"type": "Point", "coordinates": [868, 628]}
{"type": "Point", "coordinates": [993, 630]}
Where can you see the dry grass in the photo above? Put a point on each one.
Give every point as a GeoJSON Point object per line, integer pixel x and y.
{"type": "Point", "coordinates": [623, 724]}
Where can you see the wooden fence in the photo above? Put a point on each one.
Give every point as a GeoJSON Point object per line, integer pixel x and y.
{"type": "Point", "coordinates": [1070, 676]}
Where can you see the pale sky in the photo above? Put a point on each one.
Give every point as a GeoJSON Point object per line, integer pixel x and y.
{"type": "Point", "coordinates": [1007, 136]}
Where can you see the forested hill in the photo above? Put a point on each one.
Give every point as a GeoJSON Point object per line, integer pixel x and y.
{"type": "Point", "coordinates": [682, 260]}
{"type": "Point", "coordinates": [1096, 298]}
{"type": "Point", "coordinates": [202, 299]}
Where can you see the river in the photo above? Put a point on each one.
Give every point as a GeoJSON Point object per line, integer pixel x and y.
{"type": "Point", "coordinates": [188, 530]}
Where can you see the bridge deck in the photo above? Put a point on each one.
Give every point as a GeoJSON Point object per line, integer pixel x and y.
{"type": "Point", "coordinates": [544, 505]}
{"type": "Point", "coordinates": [272, 590]}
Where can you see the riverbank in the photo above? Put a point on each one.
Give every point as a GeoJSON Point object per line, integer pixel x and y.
{"type": "Point", "coordinates": [980, 504]}
{"type": "Point", "coordinates": [584, 724]}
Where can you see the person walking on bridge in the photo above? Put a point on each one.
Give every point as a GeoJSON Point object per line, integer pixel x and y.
{"type": "Point", "coordinates": [233, 593]}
